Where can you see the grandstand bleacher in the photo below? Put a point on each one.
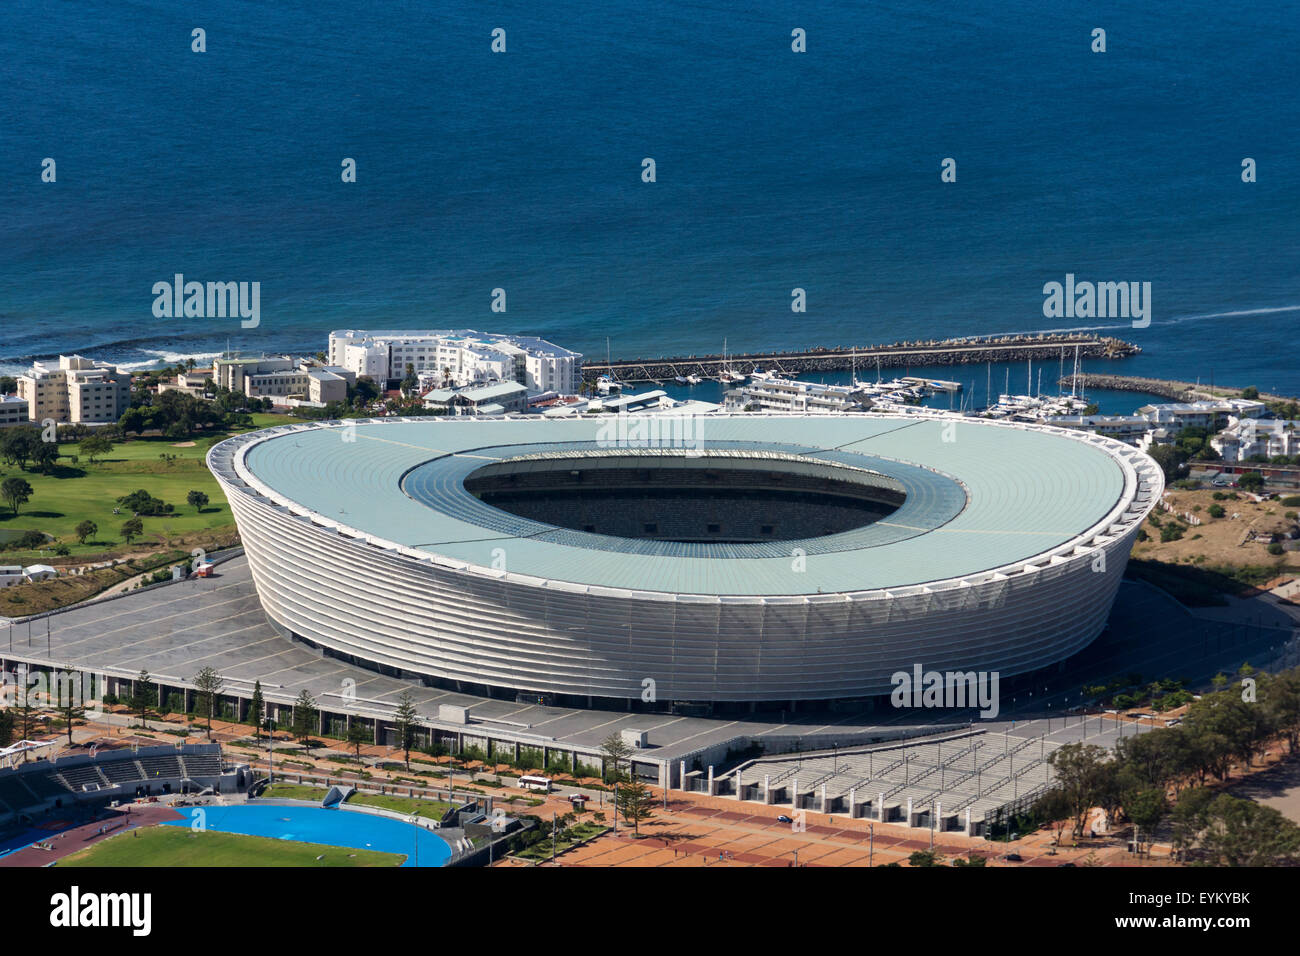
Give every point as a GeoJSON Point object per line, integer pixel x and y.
{"type": "Point", "coordinates": [984, 773]}
{"type": "Point", "coordinates": [30, 787]}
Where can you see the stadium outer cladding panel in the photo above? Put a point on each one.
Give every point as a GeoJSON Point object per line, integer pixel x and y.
{"type": "Point", "coordinates": [1005, 556]}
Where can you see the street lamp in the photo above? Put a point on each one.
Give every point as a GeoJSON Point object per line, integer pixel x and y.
{"type": "Point", "coordinates": [270, 751]}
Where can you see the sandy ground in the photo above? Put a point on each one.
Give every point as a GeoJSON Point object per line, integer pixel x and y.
{"type": "Point", "coordinates": [1220, 539]}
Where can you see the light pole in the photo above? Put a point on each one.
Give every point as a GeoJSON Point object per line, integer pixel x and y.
{"type": "Point", "coordinates": [871, 849]}
{"type": "Point", "coordinates": [270, 751]}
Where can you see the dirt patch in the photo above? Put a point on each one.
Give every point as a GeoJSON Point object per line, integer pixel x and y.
{"type": "Point", "coordinates": [1215, 540]}
{"type": "Point", "coordinates": [184, 444]}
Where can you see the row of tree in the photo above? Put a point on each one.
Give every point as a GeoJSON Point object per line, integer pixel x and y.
{"type": "Point", "coordinates": [1162, 775]}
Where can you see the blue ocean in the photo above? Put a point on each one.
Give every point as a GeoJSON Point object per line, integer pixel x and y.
{"type": "Point", "coordinates": [774, 170]}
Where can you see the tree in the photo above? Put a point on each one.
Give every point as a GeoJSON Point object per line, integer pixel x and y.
{"type": "Point", "coordinates": [133, 420]}
{"type": "Point", "coordinates": [634, 803]}
{"type": "Point", "coordinates": [1251, 481]}
{"type": "Point", "coordinates": [197, 500]}
{"type": "Point", "coordinates": [96, 446]}
{"type": "Point", "coordinates": [132, 528]}
{"type": "Point", "coordinates": [16, 492]}
{"type": "Point", "coordinates": [1169, 460]}
{"type": "Point", "coordinates": [1250, 393]}
{"type": "Point", "coordinates": [6, 728]}
{"type": "Point", "coordinates": [44, 455]}
{"type": "Point", "coordinates": [1280, 694]}
{"type": "Point", "coordinates": [71, 711]}
{"type": "Point", "coordinates": [17, 445]}
{"type": "Point", "coordinates": [358, 735]}
{"type": "Point", "coordinates": [304, 716]}
{"type": "Point", "coordinates": [366, 390]}
{"type": "Point", "coordinates": [86, 529]}
{"type": "Point", "coordinates": [405, 721]}
{"type": "Point", "coordinates": [208, 684]}
{"type": "Point", "coordinates": [1244, 833]}
{"type": "Point", "coordinates": [256, 708]}
{"type": "Point", "coordinates": [142, 695]}
{"type": "Point", "coordinates": [26, 715]}
{"type": "Point", "coordinates": [1146, 808]}
{"type": "Point", "coordinates": [1054, 807]}
{"type": "Point", "coordinates": [1079, 775]}
{"type": "Point", "coordinates": [615, 750]}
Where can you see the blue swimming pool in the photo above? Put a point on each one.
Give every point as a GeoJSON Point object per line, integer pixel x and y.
{"type": "Point", "coordinates": [349, 828]}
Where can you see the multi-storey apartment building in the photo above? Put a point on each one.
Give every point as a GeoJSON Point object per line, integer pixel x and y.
{"type": "Point", "coordinates": [76, 390]}
{"type": "Point", "coordinates": [458, 357]}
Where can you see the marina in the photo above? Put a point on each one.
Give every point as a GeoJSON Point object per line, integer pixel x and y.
{"type": "Point", "coordinates": [730, 368]}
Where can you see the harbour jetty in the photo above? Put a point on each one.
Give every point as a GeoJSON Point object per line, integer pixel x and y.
{"type": "Point", "coordinates": [1166, 388]}
{"type": "Point", "coordinates": [962, 351]}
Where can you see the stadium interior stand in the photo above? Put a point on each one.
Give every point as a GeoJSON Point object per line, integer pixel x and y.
{"type": "Point", "coordinates": [713, 503]}
{"type": "Point", "coordinates": [29, 787]}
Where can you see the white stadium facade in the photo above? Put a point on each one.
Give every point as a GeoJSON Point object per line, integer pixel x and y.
{"type": "Point", "coordinates": [732, 561]}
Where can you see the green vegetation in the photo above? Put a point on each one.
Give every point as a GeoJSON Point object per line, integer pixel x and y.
{"type": "Point", "coordinates": [16, 492]}
{"type": "Point", "coordinates": [1128, 692]}
{"type": "Point", "coordinates": [432, 809]}
{"type": "Point", "coordinates": [305, 716]}
{"type": "Point", "coordinates": [177, 846]}
{"type": "Point", "coordinates": [207, 685]}
{"type": "Point", "coordinates": [552, 838]}
{"type": "Point", "coordinates": [1225, 728]}
{"type": "Point", "coordinates": [405, 722]}
{"type": "Point", "coordinates": [295, 791]}
{"type": "Point", "coordinates": [1251, 481]}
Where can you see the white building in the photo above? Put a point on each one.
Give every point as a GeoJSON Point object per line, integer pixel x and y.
{"type": "Point", "coordinates": [77, 390]}
{"type": "Point", "coordinates": [458, 357]}
{"type": "Point", "coordinates": [1246, 438]}
{"type": "Point", "coordinates": [13, 410]}
{"type": "Point", "coordinates": [11, 574]}
{"type": "Point", "coordinates": [495, 399]}
{"type": "Point", "coordinates": [1210, 415]}
{"type": "Point", "coordinates": [234, 373]}
{"type": "Point", "coordinates": [769, 393]}
{"type": "Point", "coordinates": [1131, 429]}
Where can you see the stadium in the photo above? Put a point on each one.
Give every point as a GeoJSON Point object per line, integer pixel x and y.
{"type": "Point", "coordinates": [739, 561]}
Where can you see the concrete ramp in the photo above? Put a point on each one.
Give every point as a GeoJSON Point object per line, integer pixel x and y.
{"type": "Point", "coordinates": [337, 795]}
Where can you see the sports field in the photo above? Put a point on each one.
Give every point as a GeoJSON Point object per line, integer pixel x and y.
{"type": "Point", "coordinates": [174, 846]}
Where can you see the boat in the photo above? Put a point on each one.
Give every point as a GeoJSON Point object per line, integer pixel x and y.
{"type": "Point", "coordinates": [680, 379]}
{"type": "Point", "coordinates": [693, 380]}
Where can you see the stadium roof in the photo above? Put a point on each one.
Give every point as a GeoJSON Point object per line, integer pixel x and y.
{"type": "Point", "coordinates": [980, 496]}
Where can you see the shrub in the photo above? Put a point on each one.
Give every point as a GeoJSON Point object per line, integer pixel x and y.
{"type": "Point", "coordinates": [1276, 548]}
{"type": "Point", "coordinates": [1216, 511]}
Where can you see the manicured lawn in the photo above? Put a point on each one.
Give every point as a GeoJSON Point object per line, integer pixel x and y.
{"type": "Point", "coordinates": [295, 791]}
{"type": "Point", "coordinates": [75, 493]}
{"type": "Point", "coordinates": [433, 809]}
{"type": "Point", "coordinates": [177, 846]}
